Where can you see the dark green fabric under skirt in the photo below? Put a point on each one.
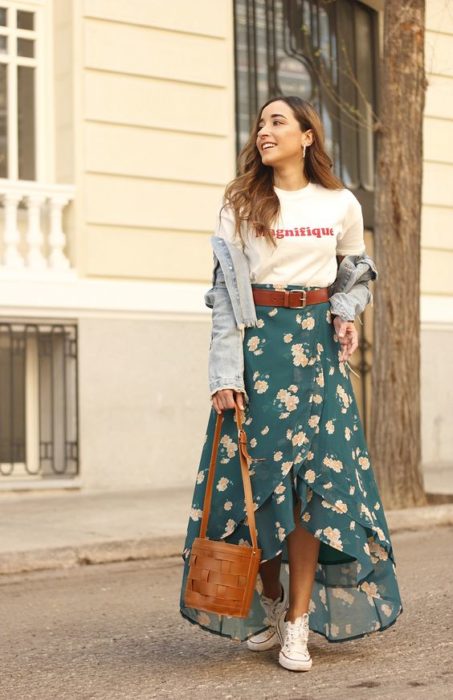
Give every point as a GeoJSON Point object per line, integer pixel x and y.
{"type": "Point", "coordinates": [304, 430]}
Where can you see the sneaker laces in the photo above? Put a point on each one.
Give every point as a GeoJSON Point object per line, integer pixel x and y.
{"type": "Point", "coordinates": [272, 607]}
{"type": "Point", "coordinates": [296, 634]}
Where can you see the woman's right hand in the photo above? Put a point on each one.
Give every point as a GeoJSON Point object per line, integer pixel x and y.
{"type": "Point", "coordinates": [226, 398]}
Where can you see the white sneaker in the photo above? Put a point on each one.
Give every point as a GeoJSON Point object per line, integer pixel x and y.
{"type": "Point", "coordinates": [294, 654]}
{"type": "Point", "coordinates": [268, 639]}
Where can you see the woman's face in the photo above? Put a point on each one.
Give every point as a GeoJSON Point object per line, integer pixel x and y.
{"type": "Point", "coordinates": [279, 126]}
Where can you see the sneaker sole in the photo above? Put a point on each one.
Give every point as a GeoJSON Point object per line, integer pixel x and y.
{"type": "Point", "coordinates": [293, 665]}
{"type": "Point", "coordinates": [263, 646]}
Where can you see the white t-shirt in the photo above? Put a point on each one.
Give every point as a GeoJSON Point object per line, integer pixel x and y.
{"type": "Point", "coordinates": [315, 225]}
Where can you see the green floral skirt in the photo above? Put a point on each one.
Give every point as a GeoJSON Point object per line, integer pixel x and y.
{"type": "Point", "coordinates": [305, 435]}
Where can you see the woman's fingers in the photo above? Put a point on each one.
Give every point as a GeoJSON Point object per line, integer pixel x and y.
{"type": "Point", "coordinates": [239, 398]}
{"type": "Point", "coordinates": [225, 399]}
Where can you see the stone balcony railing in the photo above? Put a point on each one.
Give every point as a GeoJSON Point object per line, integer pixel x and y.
{"type": "Point", "coordinates": [32, 239]}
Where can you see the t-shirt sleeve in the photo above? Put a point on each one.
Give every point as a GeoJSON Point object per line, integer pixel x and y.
{"type": "Point", "coordinates": [351, 239]}
{"type": "Point", "coordinates": [225, 225]}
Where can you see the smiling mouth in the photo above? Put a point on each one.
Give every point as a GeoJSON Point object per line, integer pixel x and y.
{"type": "Point", "coordinates": [268, 148]}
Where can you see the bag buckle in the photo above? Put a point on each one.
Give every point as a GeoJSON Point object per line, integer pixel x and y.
{"type": "Point", "coordinates": [303, 293]}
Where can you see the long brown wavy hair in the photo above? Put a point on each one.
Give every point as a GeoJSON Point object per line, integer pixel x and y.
{"type": "Point", "coordinates": [251, 195]}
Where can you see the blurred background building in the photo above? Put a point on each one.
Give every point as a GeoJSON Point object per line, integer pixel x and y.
{"type": "Point", "coordinates": [120, 124]}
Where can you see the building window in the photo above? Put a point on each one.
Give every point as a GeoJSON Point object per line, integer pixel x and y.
{"type": "Point", "coordinates": [38, 401]}
{"type": "Point", "coordinates": [324, 51]}
{"type": "Point", "coordinates": [19, 51]}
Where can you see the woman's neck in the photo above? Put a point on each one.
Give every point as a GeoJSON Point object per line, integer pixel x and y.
{"type": "Point", "coordinates": [294, 180]}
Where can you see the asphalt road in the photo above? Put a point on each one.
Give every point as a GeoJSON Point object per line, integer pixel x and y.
{"type": "Point", "coordinates": [114, 632]}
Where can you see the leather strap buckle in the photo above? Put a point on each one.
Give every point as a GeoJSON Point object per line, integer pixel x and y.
{"type": "Point", "coordinates": [303, 294]}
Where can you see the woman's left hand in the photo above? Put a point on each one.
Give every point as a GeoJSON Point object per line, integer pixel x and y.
{"type": "Point", "coordinates": [347, 336]}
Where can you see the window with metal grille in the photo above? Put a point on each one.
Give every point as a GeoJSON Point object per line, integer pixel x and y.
{"type": "Point", "coordinates": [38, 401]}
{"type": "Point", "coordinates": [325, 51]}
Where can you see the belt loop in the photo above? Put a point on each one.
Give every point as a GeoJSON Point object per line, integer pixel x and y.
{"type": "Point", "coordinates": [286, 297]}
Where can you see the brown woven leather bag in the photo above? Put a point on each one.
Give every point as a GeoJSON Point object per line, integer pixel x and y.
{"type": "Point", "coordinates": [222, 576]}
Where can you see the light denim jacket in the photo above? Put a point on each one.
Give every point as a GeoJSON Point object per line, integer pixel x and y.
{"type": "Point", "coordinates": [233, 307]}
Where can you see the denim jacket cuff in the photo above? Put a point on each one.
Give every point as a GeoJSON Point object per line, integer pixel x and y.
{"type": "Point", "coordinates": [234, 384]}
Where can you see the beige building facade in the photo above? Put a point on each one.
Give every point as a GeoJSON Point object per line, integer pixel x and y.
{"type": "Point", "coordinates": [118, 134]}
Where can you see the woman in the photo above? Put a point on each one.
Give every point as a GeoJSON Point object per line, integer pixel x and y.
{"type": "Point", "coordinates": [290, 275]}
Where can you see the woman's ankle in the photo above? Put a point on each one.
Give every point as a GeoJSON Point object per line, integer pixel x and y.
{"type": "Point", "coordinates": [293, 613]}
{"type": "Point", "coordinates": [275, 592]}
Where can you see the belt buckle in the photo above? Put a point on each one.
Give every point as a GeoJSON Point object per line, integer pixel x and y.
{"type": "Point", "coordinates": [304, 298]}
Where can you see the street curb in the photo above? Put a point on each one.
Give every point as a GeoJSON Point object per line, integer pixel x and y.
{"type": "Point", "coordinates": [409, 519]}
{"type": "Point", "coordinates": [97, 553]}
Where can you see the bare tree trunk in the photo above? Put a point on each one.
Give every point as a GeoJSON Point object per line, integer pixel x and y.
{"type": "Point", "coordinates": [395, 440]}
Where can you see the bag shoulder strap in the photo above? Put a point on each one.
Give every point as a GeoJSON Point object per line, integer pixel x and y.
{"type": "Point", "coordinates": [244, 458]}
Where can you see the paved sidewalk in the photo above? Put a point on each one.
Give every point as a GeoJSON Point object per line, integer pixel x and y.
{"type": "Point", "coordinates": [42, 531]}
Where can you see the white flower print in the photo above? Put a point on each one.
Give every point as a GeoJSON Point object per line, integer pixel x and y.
{"type": "Point", "coordinates": [322, 595]}
{"type": "Point", "coordinates": [341, 506]}
{"type": "Point", "coordinates": [329, 426]}
{"type": "Point", "coordinates": [253, 442]}
{"type": "Point", "coordinates": [313, 421]}
{"type": "Point", "coordinates": [253, 343]}
{"type": "Point", "coordinates": [334, 537]}
{"type": "Point", "coordinates": [200, 477]}
{"type": "Point", "coordinates": [342, 594]}
{"type": "Point", "coordinates": [287, 338]}
{"type": "Point", "coordinates": [320, 379]}
{"type": "Point", "coordinates": [265, 430]}
{"type": "Point", "coordinates": [272, 312]}
{"type": "Point", "coordinates": [364, 462]}
{"type": "Point", "coordinates": [299, 438]}
{"type": "Point", "coordinates": [386, 609]}
{"type": "Point", "coordinates": [228, 505]}
{"type": "Point", "coordinates": [280, 531]}
{"type": "Point", "coordinates": [299, 357]}
{"type": "Point", "coordinates": [293, 388]}
{"type": "Point", "coordinates": [308, 323]}
{"type": "Point", "coordinates": [316, 398]}
{"type": "Point", "coordinates": [310, 476]}
{"type": "Point", "coordinates": [196, 513]}
{"type": "Point", "coordinates": [278, 455]}
{"type": "Point", "coordinates": [222, 483]}
{"type": "Point", "coordinates": [286, 466]}
{"type": "Point", "coordinates": [347, 433]}
{"type": "Point", "coordinates": [352, 525]}
{"type": "Point", "coordinates": [261, 386]}
{"type": "Point", "coordinates": [260, 323]}
{"type": "Point", "coordinates": [334, 630]}
{"type": "Point", "coordinates": [280, 488]}
{"type": "Point", "coordinates": [378, 553]}
{"type": "Point", "coordinates": [279, 499]}
{"type": "Point", "coordinates": [306, 517]}
{"type": "Point", "coordinates": [229, 445]}
{"type": "Point", "coordinates": [289, 400]}
{"type": "Point", "coordinates": [371, 590]}
{"type": "Point", "coordinates": [229, 527]}
{"type": "Point", "coordinates": [335, 464]}
{"type": "Point", "coordinates": [310, 456]}
{"type": "Point", "coordinates": [331, 370]}
{"type": "Point", "coordinates": [343, 396]}
{"type": "Point", "coordinates": [328, 485]}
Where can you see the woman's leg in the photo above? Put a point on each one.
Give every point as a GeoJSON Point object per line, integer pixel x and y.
{"type": "Point", "coordinates": [270, 576]}
{"type": "Point", "coordinates": [303, 549]}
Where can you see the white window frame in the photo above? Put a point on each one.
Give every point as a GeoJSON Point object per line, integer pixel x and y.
{"type": "Point", "coordinates": [44, 97]}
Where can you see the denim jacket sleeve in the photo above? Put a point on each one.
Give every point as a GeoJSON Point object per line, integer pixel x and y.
{"type": "Point", "coordinates": [350, 293]}
{"type": "Point", "coordinates": [226, 358]}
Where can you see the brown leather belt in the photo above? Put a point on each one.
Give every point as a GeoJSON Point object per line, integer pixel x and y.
{"type": "Point", "coordinates": [292, 298]}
